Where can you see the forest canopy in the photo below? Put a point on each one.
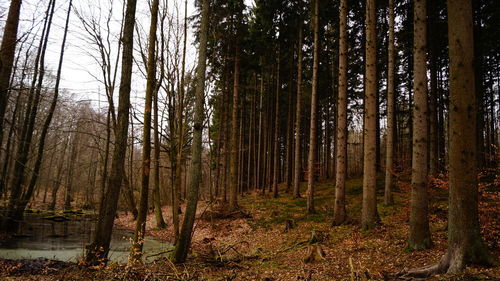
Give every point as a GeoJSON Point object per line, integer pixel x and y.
{"type": "Point", "coordinates": [367, 130]}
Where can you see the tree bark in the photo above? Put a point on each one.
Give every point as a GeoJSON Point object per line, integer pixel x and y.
{"type": "Point", "coordinates": [28, 127]}
{"type": "Point", "coordinates": [276, 140]}
{"type": "Point", "coordinates": [464, 237]}
{"type": "Point", "coordinates": [97, 252]}
{"type": "Point", "coordinates": [233, 166]}
{"type": "Point", "coordinates": [289, 128]}
{"type": "Point", "coordinates": [369, 215]}
{"type": "Point", "coordinates": [433, 118]}
{"type": "Point", "coordinates": [41, 142]}
{"type": "Point", "coordinates": [160, 222]}
{"type": "Point", "coordinates": [311, 160]}
{"type": "Point", "coordinates": [420, 236]}
{"type": "Point", "coordinates": [71, 169]}
{"type": "Point", "coordinates": [339, 211]}
{"type": "Point", "coordinates": [391, 104]}
{"type": "Point", "coordinates": [297, 169]}
{"type": "Point", "coordinates": [59, 175]}
{"type": "Point", "coordinates": [7, 54]}
{"type": "Point", "coordinates": [140, 227]}
{"type": "Point", "coordinates": [260, 145]}
{"type": "Point", "coordinates": [182, 246]}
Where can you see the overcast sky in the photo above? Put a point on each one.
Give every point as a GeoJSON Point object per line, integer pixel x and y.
{"type": "Point", "coordinates": [79, 67]}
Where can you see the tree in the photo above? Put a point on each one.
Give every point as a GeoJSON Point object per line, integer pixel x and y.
{"type": "Point", "coordinates": [140, 228]}
{"type": "Point", "coordinates": [182, 246]}
{"type": "Point", "coordinates": [298, 119]}
{"type": "Point", "coordinates": [311, 160]}
{"type": "Point", "coordinates": [339, 213]}
{"type": "Point", "coordinates": [233, 196]}
{"type": "Point", "coordinates": [7, 54]}
{"type": "Point", "coordinates": [97, 251]}
{"type": "Point", "coordinates": [160, 222]}
{"type": "Point", "coordinates": [106, 52]}
{"type": "Point", "coordinates": [464, 236]}
{"type": "Point", "coordinates": [420, 236]}
{"type": "Point", "coordinates": [16, 202]}
{"type": "Point", "coordinates": [391, 103]}
{"type": "Point", "coordinates": [369, 214]}
{"type": "Point", "coordinates": [433, 95]}
{"type": "Point", "coordinates": [73, 155]}
{"type": "Point", "coordinates": [276, 137]}
{"type": "Point", "coordinates": [176, 188]}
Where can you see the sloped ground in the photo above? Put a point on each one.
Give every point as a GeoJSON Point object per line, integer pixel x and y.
{"type": "Point", "coordinates": [252, 244]}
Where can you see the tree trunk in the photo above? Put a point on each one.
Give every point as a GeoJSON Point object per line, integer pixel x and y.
{"type": "Point", "coordinates": [182, 246]}
{"type": "Point", "coordinates": [260, 152]}
{"type": "Point", "coordinates": [233, 166]}
{"type": "Point", "coordinates": [276, 140]}
{"type": "Point", "coordinates": [28, 127]}
{"type": "Point", "coordinates": [314, 114]}
{"type": "Point", "coordinates": [160, 222]}
{"type": "Point", "coordinates": [97, 252]}
{"type": "Point", "coordinates": [140, 227]}
{"type": "Point", "coordinates": [433, 120]}
{"type": "Point", "coordinates": [464, 237]}
{"type": "Point", "coordinates": [227, 148]}
{"type": "Point", "coordinates": [339, 213]}
{"type": "Point", "coordinates": [7, 54]}
{"type": "Point", "coordinates": [369, 212]}
{"type": "Point", "coordinates": [71, 169]}
{"type": "Point", "coordinates": [106, 157]}
{"type": "Point", "coordinates": [240, 150]}
{"type": "Point", "coordinates": [177, 190]}
{"type": "Point", "coordinates": [420, 237]}
{"type": "Point", "coordinates": [251, 137]}
{"type": "Point", "coordinates": [391, 103]}
{"type": "Point", "coordinates": [297, 170]}
{"type": "Point", "coordinates": [59, 175]}
{"type": "Point", "coordinates": [289, 128]}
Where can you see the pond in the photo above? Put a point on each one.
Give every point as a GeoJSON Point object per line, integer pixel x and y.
{"type": "Point", "coordinates": [65, 240]}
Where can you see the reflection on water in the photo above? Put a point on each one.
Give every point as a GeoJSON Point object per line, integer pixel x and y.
{"type": "Point", "coordinates": [65, 241]}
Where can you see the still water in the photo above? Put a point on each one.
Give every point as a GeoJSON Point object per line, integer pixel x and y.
{"type": "Point", "coordinates": [38, 237]}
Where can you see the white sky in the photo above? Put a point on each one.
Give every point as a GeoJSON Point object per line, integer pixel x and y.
{"type": "Point", "coordinates": [78, 64]}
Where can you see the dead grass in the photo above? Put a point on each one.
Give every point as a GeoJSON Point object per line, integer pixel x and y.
{"type": "Point", "coordinates": [253, 245]}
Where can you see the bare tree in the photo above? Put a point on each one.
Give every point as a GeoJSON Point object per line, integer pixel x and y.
{"type": "Point", "coordinates": [140, 229]}
{"type": "Point", "coordinates": [182, 246]}
{"type": "Point", "coordinates": [7, 54]}
{"type": "Point", "coordinates": [97, 252]}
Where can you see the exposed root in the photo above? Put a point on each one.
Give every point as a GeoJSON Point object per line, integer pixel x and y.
{"type": "Point", "coordinates": [452, 262]}
{"type": "Point", "coordinates": [346, 221]}
{"type": "Point", "coordinates": [314, 251]}
{"type": "Point", "coordinates": [222, 212]}
{"type": "Point", "coordinates": [289, 225]}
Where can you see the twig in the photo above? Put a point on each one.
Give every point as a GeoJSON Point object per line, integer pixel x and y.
{"type": "Point", "coordinates": [161, 253]}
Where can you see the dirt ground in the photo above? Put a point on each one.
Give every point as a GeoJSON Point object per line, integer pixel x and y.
{"type": "Point", "coordinates": [256, 244]}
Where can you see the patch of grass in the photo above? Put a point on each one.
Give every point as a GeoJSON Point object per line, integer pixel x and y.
{"type": "Point", "coordinates": [407, 249]}
{"type": "Point", "coordinates": [301, 202]}
{"type": "Point", "coordinates": [339, 233]}
{"type": "Point", "coordinates": [354, 186]}
{"type": "Point", "coordinates": [387, 210]}
{"type": "Point", "coordinates": [318, 217]}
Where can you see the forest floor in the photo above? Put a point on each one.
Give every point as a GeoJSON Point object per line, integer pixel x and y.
{"type": "Point", "coordinates": [255, 244]}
